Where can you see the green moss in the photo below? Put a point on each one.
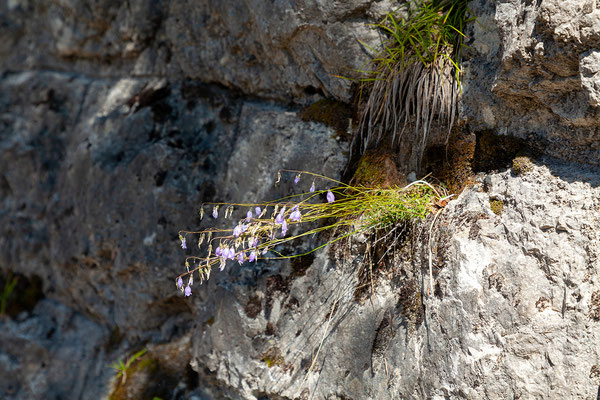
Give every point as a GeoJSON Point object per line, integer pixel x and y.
{"type": "Point", "coordinates": [273, 357]}
{"type": "Point", "coordinates": [331, 113]}
{"type": "Point", "coordinates": [453, 164]}
{"type": "Point", "coordinates": [522, 165]}
{"type": "Point", "coordinates": [497, 206]}
{"type": "Point", "coordinates": [377, 169]}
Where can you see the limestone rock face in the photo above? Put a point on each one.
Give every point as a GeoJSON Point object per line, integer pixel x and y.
{"type": "Point", "coordinates": [119, 119]}
{"type": "Point", "coordinates": [291, 51]}
{"type": "Point", "coordinates": [514, 309]}
{"type": "Point", "coordinates": [531, 72]}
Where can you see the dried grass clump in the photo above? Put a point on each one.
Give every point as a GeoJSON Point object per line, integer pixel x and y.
{"type": "Point", "coordinates": [416, 77]}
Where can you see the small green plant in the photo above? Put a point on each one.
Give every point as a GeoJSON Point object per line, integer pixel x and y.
{"type": "Point", "coordinates": [416, 76]}
{"type": "Point", "coordinates": [522, 165]}
{"type": "Point", "coordinates": [9, 286]}
{"type": "Point", "coordinates": [348, 210]}
{"type": "Point", "coordinates": [122, 368]}
{"type": "Point", "coordinates": [497, 206]}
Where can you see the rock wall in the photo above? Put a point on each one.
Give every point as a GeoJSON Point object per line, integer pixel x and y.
{"type": "Point", "coordinates": [118, 119]}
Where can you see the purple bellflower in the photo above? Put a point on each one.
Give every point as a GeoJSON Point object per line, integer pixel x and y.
{"type": "Point", "coordinates": [312, 187]}
{"type": "Point", "coordinates": [283, 228]}
{"type": "Point", "coordinates": [279, 219]}
{"type": "Point", "coordinates": [231, 253]}
{"type": "Point", "coordinates": [295, 215]}
{"type": "Point", "coordinates": [180, 283]}
{"type": "Point", "coordinates": [241, 258]}
{"type": "Point", "coordinates": [257, 211]}
{"type": "Point", "coordinates": [252, 256]}
{"type": "Point", "coordinates": [249, 216]}
{"type": "Point", "coordinates": [219, 251]}
{"type": "Point", "coordinates": [188, 291]}
{"type": "Point", "coordinates": [330, 197]}
{"type": "Point", "coordinates": [215, 213]}
{"type": "Point", "coordinates": [237, 231]}
{"type": "Point", "coordinates": [297, 179]}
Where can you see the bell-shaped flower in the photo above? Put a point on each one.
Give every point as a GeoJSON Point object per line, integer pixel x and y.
{"type": "Point", "coordinates": [237, 231]}
{"type": "Point", "coordinates": [252, 256]}
{"type": "Point", "coordinates": [330, 197]}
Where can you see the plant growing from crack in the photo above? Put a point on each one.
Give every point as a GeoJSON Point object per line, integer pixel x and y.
{"type": "Point", "coordinates": [415, 78]}
{"type": "Point", "coordinates": [348, 210]}
{"type": "Point", "coordinates": [9, 286]}
{"type": "Point", "coordinates": [123, 367]}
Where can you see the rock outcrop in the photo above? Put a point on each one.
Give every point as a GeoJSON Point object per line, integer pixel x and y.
{"type": "Point", "coordinates": [118, 119]}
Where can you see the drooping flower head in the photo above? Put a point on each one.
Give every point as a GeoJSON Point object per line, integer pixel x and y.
{"type": "Point", "coordinates": [295, 215]}
{"type": "Point", "coordinates": [231, 253]}
{"type": "Point", "coordinates": [283, 228]}
{"type": "Point", "coordinates": [215, 212]}
{"type": "Point", "coordinates": [249, 216]}
{"type": "Point", "coordinates": [188, 291]}
{"type": "Point", "coordinates": [252, 256]}
{"type": "Point", "coordinates": [330, 197]}
{"type": "Point", "coordinates": [237, 231]}
{"type": "Point", "coordinates": [312, 187]}
{"type": "Point", "coordinates": [183, 245]}
{"type": "Point", "coordinates": [257, 211]}
{"type": "Point", "coordinates": [241, 258]}
{"type": "Point", "coordinates": [219, 251]}
{"type": "Point", "coordinates": [279, 219]}
{"type": "Point", "coordinates": [180, 283]}
{"type": "Point", "coordinates": [297, 179]}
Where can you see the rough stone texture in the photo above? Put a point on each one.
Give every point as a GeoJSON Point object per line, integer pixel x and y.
{"type": "Point", "coordinates": [531, 72]}
{"type": "Point", "coordinates": [286, 50]}
{"type": "Point", "coordinates": [38, 351]}
{"type": "Point", "coordinates": [118, 119]}
{"type": "Point", "coordinates": [98, 175]}
{"type": "Point", "coordinates": [515, 311]}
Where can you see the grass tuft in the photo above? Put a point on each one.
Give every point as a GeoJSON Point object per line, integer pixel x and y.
{"type": "Point", "coordinates": [416, 76]}
{"type": "Point", "coordinates": [348, 210]}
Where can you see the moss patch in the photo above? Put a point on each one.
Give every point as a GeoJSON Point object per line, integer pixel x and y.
{"type": "Point", "coordinates": [273, 357]}
{"type": "Point", "coordinates": [497, 206]}
{"type": "Point", "coordinates": [377, 168]}
{"type": "Point", "coordinates": [331, 113]}
{"type": "Point", "coordinates": [453, 164]}
{"type": "Point", "coordinates": [522, 165]}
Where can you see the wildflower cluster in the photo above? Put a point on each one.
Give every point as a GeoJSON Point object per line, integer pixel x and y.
{"type": "Point", "coordinates": [266, 225]}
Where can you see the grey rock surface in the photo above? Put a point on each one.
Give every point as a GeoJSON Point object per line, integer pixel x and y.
{"type": "Point", "coordinates": [514, 311]}
{"type": "Point", "coordinates": [38, 351]}
{"type": "Point", "coordinates": [287, 50]}
{"type": "Point", "coordinates": [119, 119]}
{"type": "Point", "coordinates": [530, 72]}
